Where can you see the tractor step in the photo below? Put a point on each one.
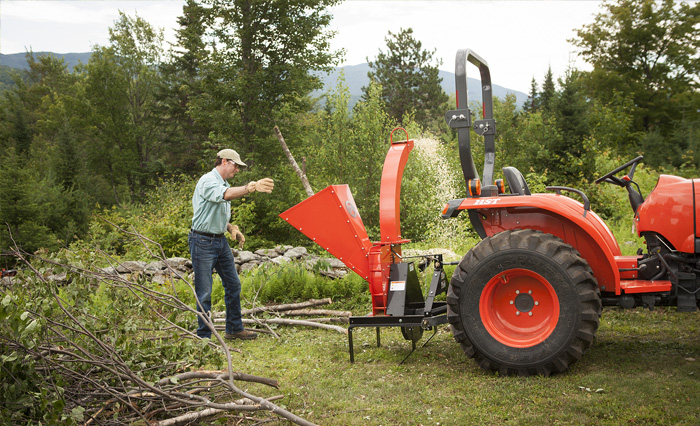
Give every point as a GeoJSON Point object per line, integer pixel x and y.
{"type": "Point", "coordinates": [644, 286]}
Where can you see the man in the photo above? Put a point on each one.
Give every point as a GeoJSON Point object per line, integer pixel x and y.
{"type": "Point", "coordinates": [209, 248]}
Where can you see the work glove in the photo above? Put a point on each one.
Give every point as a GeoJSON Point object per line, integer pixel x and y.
{"type": "Point", "coordinates": [263, 185]}
{"type": "Point", "coordinates": [237, 235]}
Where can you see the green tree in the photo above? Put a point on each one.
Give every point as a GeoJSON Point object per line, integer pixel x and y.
{"type": "Point", "coordinates": [548, 93]}
{"type": "Point", "coordinates": [334, 158]}
{"type": "Point", "coordinates": [17, 120]}
{"type": "Point", "coordinates": [264, 54]}
{"type": "Point", "coordinates": [532, 103]}
{"type": "Point", "coordinates": [119, 105]}
{"type": "Point", "coordinates": [32, 94]}
{"type": "Point", "coordinates": [571, 161]}
{"type": "Point", "coordinates": [410, 81]}
{"type": "Point", "coordinates": [40, 153]}
{"type": "Point", "coordinates": [30, 221]}
{"type": "Point", "coordinates": [649, 50]}
{"type": "Point", "coordinates": [350, 149]}
{"type": "Point", "coordinates": [185, 134]}
{"type": "Point", "coordinates": [371, 127]}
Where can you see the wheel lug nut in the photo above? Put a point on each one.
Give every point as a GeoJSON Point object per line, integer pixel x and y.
{"type": "Point", "coordinates": [529, 313]}
{"type": "Point", "coordinates": [511, 302]}
{"type": "Point", "coordinates": [529, 292]}
{"type": "Point", "coordinates": [537, 303]}
{"type": "Point", "coordinates": [517, 291]}
{"type": "Point", "coordinates": [517, 313]}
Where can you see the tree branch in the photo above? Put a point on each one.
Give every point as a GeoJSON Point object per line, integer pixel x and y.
{"type": "Point", "coordinates": [295, 166]}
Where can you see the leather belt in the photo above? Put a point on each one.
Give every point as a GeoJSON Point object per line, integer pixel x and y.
{"type": "Point", "coordinates": [206, 234]}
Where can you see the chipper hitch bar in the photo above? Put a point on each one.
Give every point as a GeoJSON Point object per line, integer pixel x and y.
{"type": "Point", "coordinates": [331, 219]}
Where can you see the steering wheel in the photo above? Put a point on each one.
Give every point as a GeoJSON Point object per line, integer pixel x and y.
{"type": "Point", "coordinates": [611, 178]}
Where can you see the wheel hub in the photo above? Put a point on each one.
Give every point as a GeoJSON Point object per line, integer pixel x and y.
{"type": "Point", "coordinates": [524, 302]}
{"type": "Point", "coordinates": [519, 308]}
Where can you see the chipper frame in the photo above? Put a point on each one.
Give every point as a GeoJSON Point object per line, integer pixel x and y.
{"type": "Point", "coordinates": [332, 220]}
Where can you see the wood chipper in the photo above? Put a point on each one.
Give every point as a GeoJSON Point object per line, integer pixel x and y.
{"type": "Point", "coordinates": [331, 219]}
{"type": "Point", "coordinates": [527, 299]}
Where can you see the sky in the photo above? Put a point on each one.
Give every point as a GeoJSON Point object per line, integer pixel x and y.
{"type": "Point", "coordinates": [519, 39]}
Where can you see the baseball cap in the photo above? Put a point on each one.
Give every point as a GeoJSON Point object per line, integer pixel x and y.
{"type": "Point", "coordinates": [232, 155]}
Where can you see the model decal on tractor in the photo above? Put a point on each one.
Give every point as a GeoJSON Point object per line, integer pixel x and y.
{"type": "Point", "coordinates": [486, 201]}
{"type": "Point", "coordinates": [527, 299]}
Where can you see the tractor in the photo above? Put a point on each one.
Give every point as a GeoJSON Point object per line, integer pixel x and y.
{"type": "Point", "coordinates": [527, 299]}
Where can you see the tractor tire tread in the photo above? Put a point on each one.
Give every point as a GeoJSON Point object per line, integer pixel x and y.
{"type": "Point", "coordinates": [579, 273]}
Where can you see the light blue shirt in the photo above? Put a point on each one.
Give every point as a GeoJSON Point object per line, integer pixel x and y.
{"type": "Point", "coordinates": [211, 212]}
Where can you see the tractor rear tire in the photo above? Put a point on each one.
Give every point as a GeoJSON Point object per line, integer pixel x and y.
{"type": "Point", "coordinates": [524, 303]}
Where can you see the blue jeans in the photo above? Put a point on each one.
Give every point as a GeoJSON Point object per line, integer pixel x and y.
{"type": "Point", "coordinates": [208, 253]}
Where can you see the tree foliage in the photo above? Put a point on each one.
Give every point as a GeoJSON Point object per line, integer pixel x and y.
{"type": "Point", "coordinates": [263, 53]}
{"type": "Point", "coordinates": [119, 107]}
{"type": "Point", "coordinates": [650, 51]}
{"type": "Point", "coordinates": [136, 125]}
{"type": "Point", "coordinates": [409, 79]}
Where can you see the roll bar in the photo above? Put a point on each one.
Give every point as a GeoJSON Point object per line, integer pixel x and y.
{"type": "Point", "coordinates": [460, 119]}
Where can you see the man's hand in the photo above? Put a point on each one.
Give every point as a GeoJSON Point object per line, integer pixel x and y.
{"type": "Point", "coordinates": [263, 185]}
{"type": "Point", "coordinates": [237, 235]}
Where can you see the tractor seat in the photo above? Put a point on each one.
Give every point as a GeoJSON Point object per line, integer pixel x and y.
{"type": "Point", "coordinates": [516, 181]}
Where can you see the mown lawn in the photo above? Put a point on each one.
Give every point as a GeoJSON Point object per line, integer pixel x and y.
{"type": "Point", "coordinates": [643, 368]}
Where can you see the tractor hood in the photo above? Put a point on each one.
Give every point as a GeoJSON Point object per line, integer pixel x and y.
{"type": "Point", "coordinates": [671, 210]}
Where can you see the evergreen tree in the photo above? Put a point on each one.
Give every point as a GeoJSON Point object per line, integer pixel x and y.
{"type": "Point", "coordinates": [533, 101]}
{"type": "Point", "coordinates": [21, 133]}
{"type": "Point", "coordinates": [410, 81]}
{"type": "Point", "coordinates": [185, 132]}
{"type": "Point", "coordinates": [546, 97]}
{"type": "Point", "coordinates": [572, 161]}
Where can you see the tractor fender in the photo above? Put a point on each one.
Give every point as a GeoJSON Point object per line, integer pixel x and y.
{"type": "Point", "coordinates": [554, 214]}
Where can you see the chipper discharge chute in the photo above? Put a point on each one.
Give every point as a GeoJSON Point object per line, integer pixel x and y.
{"type": "Point", "coordinates": [331, 219]}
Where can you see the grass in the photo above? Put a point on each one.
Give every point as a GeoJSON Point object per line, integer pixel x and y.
{"type": "Point", "coordinates": [644, 368]}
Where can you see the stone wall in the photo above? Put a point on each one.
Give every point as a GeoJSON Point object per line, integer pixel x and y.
{"type": "Point", "coordinates": [159, 271]}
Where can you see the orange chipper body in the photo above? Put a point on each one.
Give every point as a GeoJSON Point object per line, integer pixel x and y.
{"type": "Point", "coordinates": [331, 219]}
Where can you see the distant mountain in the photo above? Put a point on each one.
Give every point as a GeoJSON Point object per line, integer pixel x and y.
{"type": "Point", "coordinates": [355, 76]}
{"type": "Point", "coordinates": [19, 60]}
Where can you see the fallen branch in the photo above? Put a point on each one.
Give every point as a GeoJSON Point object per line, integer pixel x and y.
{"type": "Point", "coordinates": [310, 312]}
{"type": "Point", "coordinates": [338, 320]}
{"type": "Point", "coordinates": [207, 374]}
{"type": "Point", "coordinates": [297, 322]}
{"type": "Point", "coordinates": [191, 417]}
{"type": "Point", "coordinates": [295, 166]}
{"type": "Point", "coordinates": [188, 418]}
{"type": "Point", "coordinates": [287, 307]}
